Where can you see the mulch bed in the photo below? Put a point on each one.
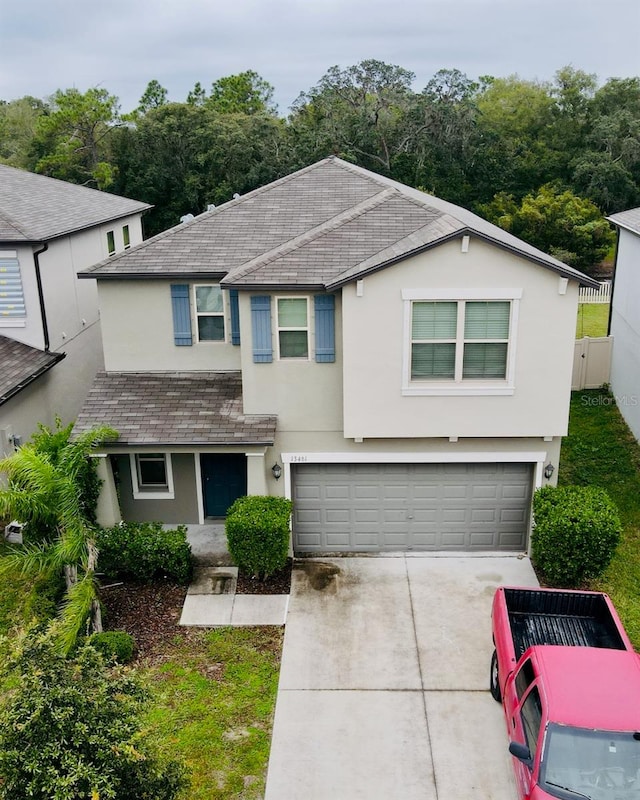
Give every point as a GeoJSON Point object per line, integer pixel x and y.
{"type": "Point", "coordinates": [278, 583]}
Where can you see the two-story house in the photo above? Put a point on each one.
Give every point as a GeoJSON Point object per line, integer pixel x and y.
{"type": "Point", "coordinates": [50, 344]}
{"type": "Point", "coordinates": [625, 319]}
{"type": "Point", "coordinates": [396, 365]}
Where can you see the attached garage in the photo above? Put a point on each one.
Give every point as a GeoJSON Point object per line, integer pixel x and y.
{"type": "Point", "coordinates": [361, 508]}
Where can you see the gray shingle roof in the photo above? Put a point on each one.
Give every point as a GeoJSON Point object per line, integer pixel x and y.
{"type": "Point", "coordinates": [627, 219]}
{"type": "Point", "coordinates": [320, 227]}
{"type": "Point", "coordinates": [21, 365]}
{"type": "Point", "coordinates": [174, 408]}
{"type": "Point", "coordinates": [34, 208]}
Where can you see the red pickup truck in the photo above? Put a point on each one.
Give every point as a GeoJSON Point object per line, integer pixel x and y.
{"type": "Point", "coordinates": [569, 682]}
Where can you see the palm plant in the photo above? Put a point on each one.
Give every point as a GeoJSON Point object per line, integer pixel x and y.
{"type": "Point", "coordinates": [45, 489]}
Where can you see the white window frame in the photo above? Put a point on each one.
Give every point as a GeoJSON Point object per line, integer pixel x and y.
{"type": "Point", "coordinates": [111, 234]}
{"type": "Point", "coordinates": [127, 244]}
{"type": "Point", "coordinates": [140, 493]}
{"type": "Point", "coordinates": [307, 328]}
{"type": "Point", "coordinates": [21, 320]}
{"type": "Point", "coordinates": [459, 385]}
{"type": "Point", "coordinates": [222, 314]}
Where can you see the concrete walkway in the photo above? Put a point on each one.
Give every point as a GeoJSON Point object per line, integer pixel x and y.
{"type": "Point", "coordinates": [212, 601]}
{"type": "Point", "coordinates": [383, 687]}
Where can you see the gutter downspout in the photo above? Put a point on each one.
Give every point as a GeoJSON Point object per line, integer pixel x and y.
{"type": "Point", "coordinates": [43, 310]}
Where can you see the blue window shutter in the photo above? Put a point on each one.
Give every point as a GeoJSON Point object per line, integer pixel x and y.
{"type": "Point", "coordinates": [235, 316]}
{"type": "Point", "coordinates": [261, 324]}
{"type": "Point", "coordinates": [181, 314]}
{"type": "Point", "coordinates": [325, 328]}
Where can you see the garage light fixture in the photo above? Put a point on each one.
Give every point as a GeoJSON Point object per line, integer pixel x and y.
{"type": "Point", "coordinates": [548, 471]}
{"type": "Point", "coordinates": [277, 470]}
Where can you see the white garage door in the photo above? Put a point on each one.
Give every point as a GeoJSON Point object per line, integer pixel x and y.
{"type": "Point", "coordinates": [386, 507]}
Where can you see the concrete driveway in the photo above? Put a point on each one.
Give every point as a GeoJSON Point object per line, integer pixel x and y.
{"type": "Point", "coordinates": [384, 683]}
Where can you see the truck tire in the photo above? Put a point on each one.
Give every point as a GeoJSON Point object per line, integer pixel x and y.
{"type": "Point", "coordinates": [494, 681]}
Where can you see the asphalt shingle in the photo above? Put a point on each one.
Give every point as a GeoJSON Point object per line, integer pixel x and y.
{"type": "Point", "coordinates": [21, 365]}
{"type": "Point", "coordinates": [328, 220]}
{"type": "Point", "coordinates": [174, 408]}
{"type": "Point", "coordinates": [34, 208]}
{"type": "Point", "coordinates": [627, 219]}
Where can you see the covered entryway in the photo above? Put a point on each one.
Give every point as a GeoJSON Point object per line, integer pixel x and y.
{"type": "Point", "coordinates": [397, 507]}
{"type": "Point", "coordinates": [224, 479]}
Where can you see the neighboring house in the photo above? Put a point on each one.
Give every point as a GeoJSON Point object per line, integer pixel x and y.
{"type": "Point", "coordinates": [625, 319]}
{"type": "Point", "coordinates": [50, 229]}
{"type": "Point", "coordinates": [405, 364]}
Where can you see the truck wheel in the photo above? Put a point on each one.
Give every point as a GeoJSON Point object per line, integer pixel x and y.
{"type": "Point", "coordinates": [494, 682]}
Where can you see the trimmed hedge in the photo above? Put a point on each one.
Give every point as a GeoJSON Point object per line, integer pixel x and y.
{"type": "Point", "coordinates": [577, 529]}
{"type": "Point", "coordinates": [144, 551]}
{"type": "Point", "coordinates": [257, 529]}
{"type": "Point", "coordinates": [118, 645]}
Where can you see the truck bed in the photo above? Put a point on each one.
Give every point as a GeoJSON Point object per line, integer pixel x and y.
{"type": "Point", "coordinates": [578, 619]}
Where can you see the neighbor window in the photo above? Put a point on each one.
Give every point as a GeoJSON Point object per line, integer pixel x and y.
{"type": "Point", "coordinates": [459, 340]}
{"type": "Point", "coordinates": [209, 307]}
{"type": "Point", "coordinates": [126, 238]}
{"type": "Point", "coordinates": [152, 476]}
{"type": "Point", "coordinates": [293, 327]}
{"type": "Point", "coordinates": [111, 243]}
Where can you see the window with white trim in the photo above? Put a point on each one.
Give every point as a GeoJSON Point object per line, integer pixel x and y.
{"type": "Point", "coordinates": [209, 307]}
{"type": "Point", "coordinates": [293, 327]}
{"type": "Point", "coordinates": [463, 343]}
{"type": "Point", "coordinates": [152, 476]}
{"type": "Point", "coordinates": [111, 243]}
{"type": "Point", "coordinates": [126, 237]}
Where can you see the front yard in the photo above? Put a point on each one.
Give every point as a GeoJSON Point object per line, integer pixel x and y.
{"type": "Point", "coordinates": [601, 451]}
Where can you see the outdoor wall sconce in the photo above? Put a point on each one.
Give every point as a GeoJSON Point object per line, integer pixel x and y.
{"type": "Point", "coordinates": [277, 470]}
{"type": "Point", "coordinates": [548, 471]}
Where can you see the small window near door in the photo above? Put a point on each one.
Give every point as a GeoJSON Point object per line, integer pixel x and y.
{"type": "Point", "coordinates": [111, 243]}
{"type": "Point", "coordinates": [126, 238]}
{"type": "Point", "coordinates": [152, 475]}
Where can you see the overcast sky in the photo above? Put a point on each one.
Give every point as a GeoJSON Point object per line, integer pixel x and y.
{"type": "Point", "coordinates": [122, 44]}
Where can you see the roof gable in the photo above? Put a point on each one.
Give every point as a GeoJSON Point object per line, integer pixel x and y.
{"type": "Point", "coordinates": [322, 226]}
{"type": "Point", "coordinates": [34, 208]}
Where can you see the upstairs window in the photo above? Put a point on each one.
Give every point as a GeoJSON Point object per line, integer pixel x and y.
{"type": "Point", "coordinates": [12, 307]}
{"type": "Point", "coordinates": [293, 327]}
{"type": "Point", "coordinates": [111, 243]}
{"type": "Point", "coordinates": [126, 238]}
{"type": "Point", "coordinates": [209, 307]}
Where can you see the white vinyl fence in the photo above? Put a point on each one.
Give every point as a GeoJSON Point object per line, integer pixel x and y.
{"type": "Point", "coordinates": [601, 295]}
{"type": "Point", "coordinates": [591, 362]}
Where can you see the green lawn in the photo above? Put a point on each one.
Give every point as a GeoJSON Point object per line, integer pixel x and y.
{"type": "Point", "coordinates": [593, 319]}
{"type": "Point", "coordinates": [213, 703]}
{"type": "Point", "coordinates": [601, 451]}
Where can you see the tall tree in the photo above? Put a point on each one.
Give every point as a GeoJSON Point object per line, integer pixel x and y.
{"type": "Point", "coordinates": [71, 142]}
{"type": "Point", "coordinates": [244, 93]}
{"type": "Point", "coordinates": [18, 120]}
{"type": "Point", "coordinates": [153, 96]}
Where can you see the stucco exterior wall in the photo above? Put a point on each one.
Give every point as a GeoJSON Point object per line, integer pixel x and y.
{"type": "Point", "coordinates": [304, 394]}
{"type": "Point", "coordinates": [61, 390]}
{"type": "Point", "coordinates": [374, 339]}
{"type": "Point", "coordinates": [625, 329]}
{"type": "Point", "coordinates": [137, 325]}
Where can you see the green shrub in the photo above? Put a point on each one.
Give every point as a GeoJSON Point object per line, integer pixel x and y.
{"type": "Point", "coordinates": [577, 529]}
{"type": "Point", "coordinates": [143, 551]}
{"type": "Point", "coordinates": [113, 644]}
{"type": "Point", "coordinates": [257, 530]}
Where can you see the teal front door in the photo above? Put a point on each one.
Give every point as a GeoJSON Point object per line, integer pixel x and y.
{"type": "Point", "coordinates": [224, 479]}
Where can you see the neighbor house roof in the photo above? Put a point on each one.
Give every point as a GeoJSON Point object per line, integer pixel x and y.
{"type": "Point", "coordinates": [21, 365]}
{"type": "Point", "coordinates": [321, 227]}
{"type": "Point", "coordinates": [167, 408]}
{"type": "Point", "coordinates": [34, 208]}
{"type": "Point", "coordinates": [627, 219]}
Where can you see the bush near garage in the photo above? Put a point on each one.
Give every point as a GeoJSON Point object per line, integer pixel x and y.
{"type": "Point", "coordinates": [257, 529]}
{"type": "Point", "coordinates": [577, 530]}
{"type": "Point", "coordinates": [144, 551]}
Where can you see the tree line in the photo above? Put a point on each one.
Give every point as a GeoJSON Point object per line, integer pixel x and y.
{"type": "Point", "coordinates": [544, 159]}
